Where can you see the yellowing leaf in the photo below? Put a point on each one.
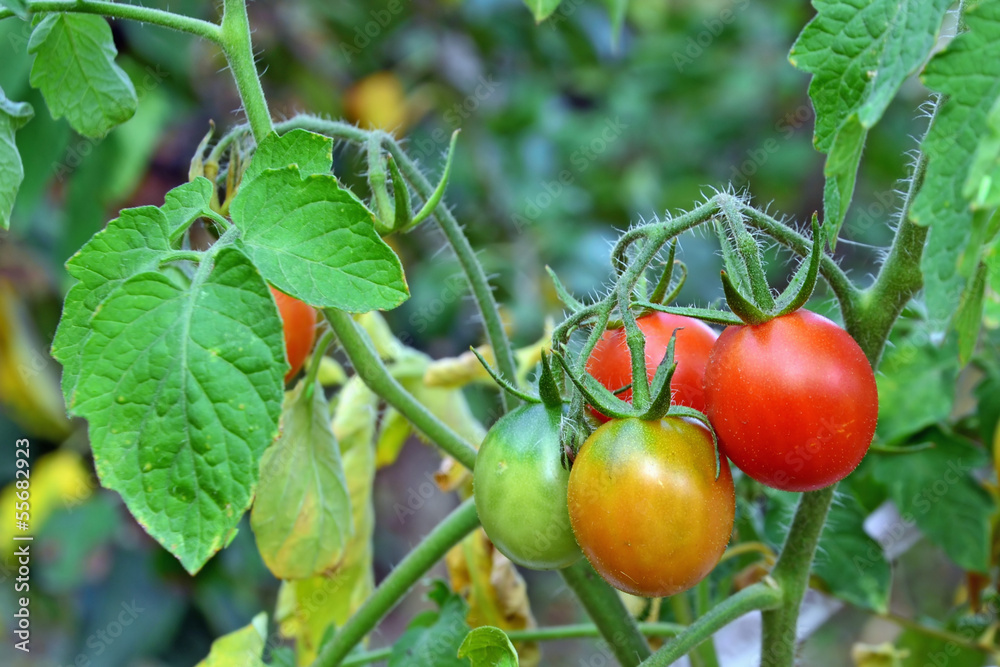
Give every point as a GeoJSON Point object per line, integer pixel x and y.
{"type": "Point", "coordinates": [242, 648]}
{"type": "Point", "coordinates": [306, 608]}
{"type": "Point", "coordinates": [58, 480]}
{"type": "Point", "coordinates": [456, 372]}
{"type": "Point", "coordinates": [29, 388]}
{"type": "Point", "coordinates": [493, 588]}
{"type": "Point", "coordinates": [302, 515]}
{"type": "Point", "coordinates": [882, 655]}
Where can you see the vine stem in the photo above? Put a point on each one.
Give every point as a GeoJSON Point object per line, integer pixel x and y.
{"type": "Point", "coordinates": [205, 29]}
{"type": "Point", "coordinates": [552, 632]}
{"type": "Point", "coordinates": [462, 521]}
{"type": "Point", "coordinates": [373, 372]}
{"type": "Point", "coordinates": [608, 612]}
{"type": "Point", "coordinates": [761, 596]}
{"type": "Point", "coordinates": [238, 47]}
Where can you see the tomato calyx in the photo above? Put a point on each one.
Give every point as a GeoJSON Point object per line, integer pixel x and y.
{"type": "Point", "coordinates": [745, 275]}
{"type": "Point", "coordinates": [548, 387]}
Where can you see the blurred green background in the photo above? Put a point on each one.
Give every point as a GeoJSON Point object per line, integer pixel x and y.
{"type": "Point", "coordinates": [690, 96]}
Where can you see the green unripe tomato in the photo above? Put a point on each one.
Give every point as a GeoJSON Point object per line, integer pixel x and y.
{"type": "Point", "coordinates": [520, 489]}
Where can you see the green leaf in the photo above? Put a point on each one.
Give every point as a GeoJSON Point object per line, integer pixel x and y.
{"type": "Point", "coordinates": [859, 52]}
{"type": "Point", "coordinates": [542, 9]}
{"type": "Point", "coordinates": [312, 153]}
{"type": "Point", "coordinates": [19, 7]}
{"type": "Point", "coordinates": [75, 70]}
{"type": "Point", "coordinates": [840, 172]}
{"type": "Point", "coordinates": [924, 650]}
{"type": "Point", "coordinates": [316, 242]}
{"type": "Point", "coordinates": [969, 316]}
{"type": "Point", "coordinates": [487, 646]}
{"type": "Point", "coordinates": [302, 514]}
{"type": "Point", "coordinates": [187, 202]}
{"type": "Point", "coordinates": [13, 116]}
{"type": "Point", "coordinates": [916, 383]}
{"type": "Point", "coordinates": [991, 309]}
{"type": "Point", "coordinates": [849, 562]}
{"type": "Point", "coordinates": [433, 638]}
{"type": "Point", "coordinates": [982, 187]}
{"type": "Point", "coordinates": [242, 648]}
{"type": "Point", "coordinates": [182, 387]}
{"type": "Point", "coordinates": [130, 244]}
{"type": "Point", "coordinates": [935, 489]}
{"type": "Point", "coordinates": [968, 73]}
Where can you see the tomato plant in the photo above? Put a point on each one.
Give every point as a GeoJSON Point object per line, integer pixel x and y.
{"type": "Point", "coordinates": [611, 364]}
{"type": "Point", "coordinates": [647, 507]}
{"type": "Point", "coordinates": [173, 413]}
{"type": "Point", "coordinates": [299, 321]}
{"type": "Point", "coordinates": [793, 400]}
{"type": "Point", "coordinates": [520, 489]}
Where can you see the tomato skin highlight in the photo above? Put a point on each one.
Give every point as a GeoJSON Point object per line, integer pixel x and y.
{"type": "Point", "coordinates": [611, 364]}
{"type": "Point", "coordinates": [646, 507]}
{"type": "Point", "coordinates": [520, 483]}
{"type": "Point", "coordinates": [793, 401]}
{"type": "Point", "coordinates": [299, 321]}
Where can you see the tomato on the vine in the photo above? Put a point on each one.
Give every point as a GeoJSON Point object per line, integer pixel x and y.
{"type": "Point", "coordinates": [519, 484]}
{"type": "Point", "coordinates": [299, 321]}
{"type": "Point", "coordinates": [611, 364]}
{"type": "Point", "coordinates": [646, 506]}
{"type": "Point", "coordinates": [793, 401]}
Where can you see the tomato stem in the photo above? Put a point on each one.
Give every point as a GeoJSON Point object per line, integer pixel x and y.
{"type": "Point", "coordinates": [452, 530]}
{"type": "Point", "coordinates": [159, 17]}
{"type": "Point", "coordinates": [238, 47]}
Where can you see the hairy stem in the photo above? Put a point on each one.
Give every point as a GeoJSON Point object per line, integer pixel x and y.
{"type": "Point", "coordinates": [605, 607]}
{"type": "Point", "coordinates": [116, 10]}
{"type": "Point", "coordinates": [398, 583]}
{"type": "Point", "coordinates": [373, 372]}
{"type": "Point", "coordinates": [237, 46]}
{"type": "Point", "coordinates": [762, 596]}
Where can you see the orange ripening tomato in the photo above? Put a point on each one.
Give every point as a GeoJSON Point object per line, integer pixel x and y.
{"type": "Point", "coordinates": [646, 507]}
{"type": "Point", "coordinates": [611, 363]}
{"type": "Point", "coordinates": [299, 320]}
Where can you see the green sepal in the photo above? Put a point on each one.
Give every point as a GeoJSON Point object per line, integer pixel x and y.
{"type": "Point", "coordinates": [548, 386]}
{"type": "Point", "coordinates": [659, 389]}
{"type": "Point", "coordinates": [597, 394]}
{"type": "Point", "coordinates": [504, 383]}
{"type": "Point", "coordinates": [745, 309]}
{"type": "Point", "coordinates": [436, 196]}
{"type": "Point", "coordinates": [660, 291]}
{"type": "Point", "coordinates": [401, 197]}
{"type": "Point", "coordinates": [563, 293]}
{"type": "Point", "coordinates": [709, 315]}
{"type": "Point", "coordinates": [802, 284]}
{"type": "Point", "coordinates": [691, 413]}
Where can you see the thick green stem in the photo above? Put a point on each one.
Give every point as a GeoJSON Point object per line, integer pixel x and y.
{"type": "Point", "coordinates": [792, 574]}
{"type": "Point", "coordinates": [373, 372]}
{"type": "Point", "coordinates": [605, 607]}
{"type": "Point", "coordinates": [759, 596]}
{"type": "Point", "coordinates": [205, 29]}
{"type": "Point", "coordinates": [398, 583]}
{"type": "Point", "coordinates": [474, 273]}
{"type": "Point", "coordinates": [237, 46]}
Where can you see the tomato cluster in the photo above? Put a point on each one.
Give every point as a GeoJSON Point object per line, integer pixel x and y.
{"type": "Point", "coordinates": [651, 504]}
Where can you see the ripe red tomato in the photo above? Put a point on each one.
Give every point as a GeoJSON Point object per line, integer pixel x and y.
{"type": "Point", "coordinates": [646, 507]}
{"type": "Point", "coordinates": [300, 330]}
{"type": "Point", "coordinates": [793, 401]}
{"type": "Point", "coordinates": [611, 364]}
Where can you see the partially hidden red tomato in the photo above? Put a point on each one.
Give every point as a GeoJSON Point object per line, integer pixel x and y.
{"type": "Point", "coordinates": [793, 401]}
{"type": "Point", "coordinates": [646, 507]}
{"type": "Point", "coordinates": [611, 364]}
{"type": "Point", "coordinates": [300, 330]}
